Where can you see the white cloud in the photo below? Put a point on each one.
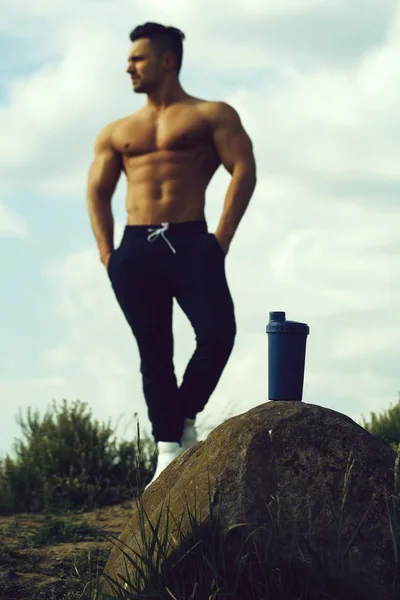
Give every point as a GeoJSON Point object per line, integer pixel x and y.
{"type": "Point", "coordinates": [11, 223]}
{"type": "Point", "coordinates": [320, 238]}
{"type": "Point", "coordinates": [315, 114]}
{"type": "Point", "coordinates": [260, 35]}
{"type": "Point", "coordinates": [330, 274]}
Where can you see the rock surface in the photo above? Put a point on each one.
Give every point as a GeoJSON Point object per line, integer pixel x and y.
{"type": "Point", "coordinates": [281, 461]}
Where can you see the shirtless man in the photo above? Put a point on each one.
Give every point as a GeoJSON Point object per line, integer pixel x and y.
{"type": "Point", "coordinates": [169, 150]}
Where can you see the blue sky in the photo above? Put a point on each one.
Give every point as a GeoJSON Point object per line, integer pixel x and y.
{"type": "Point", "coordinates": [317, 87]}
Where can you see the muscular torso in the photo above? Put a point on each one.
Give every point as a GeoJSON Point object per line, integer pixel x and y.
{"type": "Point", "coordinates": [169, 159]}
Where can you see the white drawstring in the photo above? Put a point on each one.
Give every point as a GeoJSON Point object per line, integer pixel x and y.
{"type": "Point", "coordinates": [160, 231]}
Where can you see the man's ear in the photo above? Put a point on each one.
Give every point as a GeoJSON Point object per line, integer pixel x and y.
{"type": "Point", "coordinates": [169, 61]}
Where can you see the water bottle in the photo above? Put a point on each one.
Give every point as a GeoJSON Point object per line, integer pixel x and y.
{"type": "Point", "coordinates": [286, 357]}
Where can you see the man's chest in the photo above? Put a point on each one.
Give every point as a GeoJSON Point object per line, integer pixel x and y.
{"type": "Point", "coordinates": [177, 132]}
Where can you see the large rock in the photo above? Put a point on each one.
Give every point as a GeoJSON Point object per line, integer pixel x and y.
{"type": "Point", "coordinates": [281, 460]}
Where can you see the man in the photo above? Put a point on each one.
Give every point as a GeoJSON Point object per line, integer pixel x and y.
{"type": "Point", "coordinates": [169, 150]}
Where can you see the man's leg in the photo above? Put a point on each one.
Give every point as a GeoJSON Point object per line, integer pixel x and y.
{"type": "Point", "coordinates": [201, 290]}
{"type": "Point", "coordinates": [144, 295]}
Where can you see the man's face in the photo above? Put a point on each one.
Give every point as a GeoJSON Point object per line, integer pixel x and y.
{"type": "Point", "coordinates": [144, 67]}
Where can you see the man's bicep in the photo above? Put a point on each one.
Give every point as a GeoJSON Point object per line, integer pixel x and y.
{"type": "Point", "coordinates": [106, 167]}
{"type": "Point", "coordinates": [232, 143]}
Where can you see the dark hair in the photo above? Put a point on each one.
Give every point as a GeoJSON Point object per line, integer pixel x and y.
{"type": "Point", "coordinates": [165, 39]}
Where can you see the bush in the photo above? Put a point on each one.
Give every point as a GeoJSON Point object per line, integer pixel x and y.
{"type": "Point", "coordinates": [68, 461]}
{"type": "Point", "coordinates": [386, 426]}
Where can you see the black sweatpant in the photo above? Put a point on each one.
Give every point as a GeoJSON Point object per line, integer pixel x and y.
{"type": "Point", "coordinates": [153, 265]}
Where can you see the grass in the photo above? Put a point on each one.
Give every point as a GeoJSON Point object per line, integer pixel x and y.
{"type": "Point", "coordinates": [200, 571]}
{"type": "Point", "coordinates": [204, 567]}
{"type": "Point", "coordinates": [87, 569]}
{"type": "Point", "coordinates": [58, 530]}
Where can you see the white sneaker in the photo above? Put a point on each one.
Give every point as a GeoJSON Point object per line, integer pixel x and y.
{"type": "Point", "coordinates": [167, 452]}
{"type": "Point", "coordinates": [189, 435]}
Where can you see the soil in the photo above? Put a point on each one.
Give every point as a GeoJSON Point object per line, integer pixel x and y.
{"type": "Point", "coordinates": [47, 570]}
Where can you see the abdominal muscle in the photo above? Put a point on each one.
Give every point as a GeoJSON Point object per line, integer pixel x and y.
{"type": "Point", "coordinates": [165, 188]}
{"type": "Point", "coordinates": [155, 202]}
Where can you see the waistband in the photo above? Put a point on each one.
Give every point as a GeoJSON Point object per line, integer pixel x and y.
{"type": "Point", "coordinates": [184, 229]}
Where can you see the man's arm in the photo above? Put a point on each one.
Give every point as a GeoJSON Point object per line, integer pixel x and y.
{"type": "Point", "coordinates": [235, 150]}
{"type": "Point", "coordinates": [102, 180]}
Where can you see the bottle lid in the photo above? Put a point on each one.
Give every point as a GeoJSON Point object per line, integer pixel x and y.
{"type": "Point", "coordinates": [278, 324]}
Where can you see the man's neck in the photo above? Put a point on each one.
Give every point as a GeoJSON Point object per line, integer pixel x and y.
{"type": "Point", "coordinates": [164, 98]}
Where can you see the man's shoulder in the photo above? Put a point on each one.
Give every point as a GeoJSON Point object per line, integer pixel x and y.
{"type": "Point", "coordinates": [110, 128]}
{"type": "Point", "coordinates": [106, 136]}
{"type": "Point", "coordinates": [217, 110]}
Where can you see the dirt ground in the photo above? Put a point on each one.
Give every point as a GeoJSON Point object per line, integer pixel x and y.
{"type": "Point", "coordinates": [48, 571]}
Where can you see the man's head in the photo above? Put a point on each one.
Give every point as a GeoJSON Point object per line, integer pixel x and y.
{"type": "Point", "coordinates": [156, 53]}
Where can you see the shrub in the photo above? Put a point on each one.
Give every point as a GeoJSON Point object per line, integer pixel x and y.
{"type": "Point", "coordinates": [386, 426]}
{"type": "Point", "coordinates": [68, 461]}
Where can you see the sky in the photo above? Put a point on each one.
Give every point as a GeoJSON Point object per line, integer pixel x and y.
{"type": "Point", "coordinates": [317, 85]}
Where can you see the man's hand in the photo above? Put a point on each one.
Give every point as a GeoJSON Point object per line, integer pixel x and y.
{"type": "Point", "coordinates": [224, 242]}
{"type": "Point", "coordinates": [105, 259]}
